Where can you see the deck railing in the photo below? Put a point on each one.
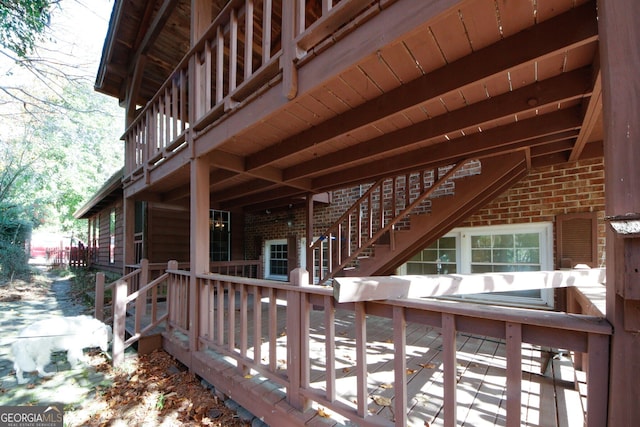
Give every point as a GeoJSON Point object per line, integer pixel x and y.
{"type": "Point", "coordinates": [292, 351]}
{"type": "Point", "coordinates": [244, 50]}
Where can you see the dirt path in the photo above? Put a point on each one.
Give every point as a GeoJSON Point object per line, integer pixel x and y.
{"type": "Point", "coordinates": [148, 390]}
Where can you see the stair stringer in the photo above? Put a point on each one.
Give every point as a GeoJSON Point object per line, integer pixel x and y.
{"type": "Point", "coordinates": [498, 175]}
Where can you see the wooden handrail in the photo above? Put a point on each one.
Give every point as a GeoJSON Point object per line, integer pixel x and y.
{"type": "Point", "coordinates": [229, 323]}
{"type": "Point", "coordinates": [387, 224]}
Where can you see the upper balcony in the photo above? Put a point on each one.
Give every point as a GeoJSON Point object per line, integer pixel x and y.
{"type": "Point", "coordinates": [292, 98]}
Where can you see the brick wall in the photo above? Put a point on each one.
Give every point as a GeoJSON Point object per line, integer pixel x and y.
{"type": "Point", "coordinates": [545, 193]}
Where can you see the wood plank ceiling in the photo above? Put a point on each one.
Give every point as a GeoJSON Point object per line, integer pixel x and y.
{"type": "Point", "coordinates": [485, 78]}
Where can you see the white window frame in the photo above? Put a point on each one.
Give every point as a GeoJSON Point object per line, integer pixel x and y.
{"type": "Point", "coordinates": [267, 259]}
{"type": "Point", "coordinates": [545, 231]}
{"type": "Point", "coordinates": [463, 260]}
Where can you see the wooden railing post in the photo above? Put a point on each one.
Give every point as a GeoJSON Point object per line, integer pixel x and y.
{"type": "Point", "coordinates": [141, 301]}
{"type": "Point", "coordinates": [99, 297]}
{"type": "Point", "coordinates": [171, 301]}
{"type": "Point", "coordinates": [119, 318]}
{"type": "Point", "coordinates": [297, 341]}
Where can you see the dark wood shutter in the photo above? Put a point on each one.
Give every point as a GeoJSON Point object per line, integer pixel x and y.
{"type": "Point", "coordinates": [576, 239]}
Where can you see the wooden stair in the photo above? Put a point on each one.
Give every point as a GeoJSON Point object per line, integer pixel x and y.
{"type": "Point", "coordinates": [384, 248]}
{"type": "Point", "coordinates": [471, 193]}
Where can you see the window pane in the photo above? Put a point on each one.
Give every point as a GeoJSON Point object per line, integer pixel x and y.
{"type": "Point", "coordinates": [278, 260]}
{"type": "Point", "coordinates": [528, 256]}
{"type": "Point", "coordinates": [480, 241]}
{"type": "Point", "coordinates": [503, 241]}
{"type": "Point", "coordinates": [439, 258]}
{"type": "Point", "coordinates": [447, 243]}
{"type": "Point", "coordinates": [429, 255]}
{"type": "Point", "coordinates": [219, 236]}
{"type": "Point", "coordinates": [529, 240]}
{"type": "Point", "coordinates": [481, 268]}
{"type": "Point", "coordinates": [503, 255]}
{"type": "Point", "coordinates": [481, 255]}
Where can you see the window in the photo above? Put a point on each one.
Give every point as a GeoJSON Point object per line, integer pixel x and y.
{"type": "Point", "coordinates": [508, 248]}
{"type": "Point", "coordinates": [439, 258]}
{"type": "Point", "coordinates": [220, 235]}
{"type": "Point", "coordinates": [112, 236]}
{"type": "Point", "coordinates": [276, 260]}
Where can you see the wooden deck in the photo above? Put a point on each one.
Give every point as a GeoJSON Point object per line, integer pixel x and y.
{"type": "Point", "coordinates": [306, 358]}
{"type": "Point", "coordinates": [550, 392]}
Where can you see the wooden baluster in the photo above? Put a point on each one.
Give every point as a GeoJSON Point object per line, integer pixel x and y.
{"type": "Point", "coordinates": [207, 76]}
{"type": "Point", "coordinates": [361, 358]}
{"type": "Point", "coordinates": [248, 39]}
{"type": "Point", "coordinates": [267, 8]}
{"type": "Point", "coordinates": [219, 65]}
{"type": "Point", "coordinates": [233, 50]}
{"type": "Point", "coordinates": [450, 368]}
{"type": "Point", "coordinates": [400, 365]}
{"type": "Point", "coordinates": [514, 373]}
{"type": "Point", "coordinates": [330, 350]}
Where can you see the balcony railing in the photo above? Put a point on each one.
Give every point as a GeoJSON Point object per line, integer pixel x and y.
{"type": "Point", "coordinates": [244, 49]}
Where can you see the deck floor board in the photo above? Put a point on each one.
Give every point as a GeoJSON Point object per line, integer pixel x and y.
{"type": "Point", "coordinates": [548, 399]}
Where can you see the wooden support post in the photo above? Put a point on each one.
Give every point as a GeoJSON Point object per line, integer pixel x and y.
{"type": "Point", "coordinates": [619, 34]}
{"type": "Point", "coordinates": [119, 318]}
{"type": "Point", "coordinates": [199, 247]}
{"type": "Point", "coordinates": [99, 307]}
{"type": "Point", "coordinates": [309, 236]}
{"type": "Point", "coordinates": [295, 346]}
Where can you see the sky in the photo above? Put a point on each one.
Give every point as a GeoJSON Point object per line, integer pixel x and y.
{"type": "Point", "coordinates": [76, 37]}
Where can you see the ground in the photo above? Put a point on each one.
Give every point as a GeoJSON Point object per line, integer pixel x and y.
{"type": "Point", "coordinates": [150, 390]}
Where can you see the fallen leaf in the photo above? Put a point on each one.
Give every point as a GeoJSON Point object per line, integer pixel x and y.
{"type": "Point", "coordinates": [248, 376]}
{"type": "Point", "coordinates": [323, 413]}
{"type": "Point", "coordinates": [381, 400]}
{"type": "Point", "coordinates": [386, 386]}
{"type": "Point", "coordinates": [345, 370]}
{"type": "Point", "coordinates": [428, 365]}
{"type": "Point", "coordinates": [410, 371]}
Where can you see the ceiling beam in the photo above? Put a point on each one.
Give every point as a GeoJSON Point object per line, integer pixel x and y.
{"type": "Point", "coordinates": [550, 128]}
{"type": "Point", "coordinates": [542, 40]}
{"type": "Point", "coordinates": [591, 118]}
{"type": "Point", "coordinates": [573, 85]}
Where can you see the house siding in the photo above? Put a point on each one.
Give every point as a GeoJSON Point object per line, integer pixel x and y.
{"type": "Point", "coordinates": [101, 259]}
{"type": "Point", "coordinates": [543, 194]}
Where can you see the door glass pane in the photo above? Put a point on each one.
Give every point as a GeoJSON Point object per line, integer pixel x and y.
{"type": "Point", "coordinates": [220, 235]}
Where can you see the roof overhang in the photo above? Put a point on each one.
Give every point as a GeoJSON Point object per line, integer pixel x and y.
{"type": "Point", "coordinates": [110, 191]}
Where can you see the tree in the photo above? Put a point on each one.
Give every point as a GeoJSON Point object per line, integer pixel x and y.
{"type": "Point", "coordinates": [61, 144]}
{"type": "Point", "coordinates": [23, 23]}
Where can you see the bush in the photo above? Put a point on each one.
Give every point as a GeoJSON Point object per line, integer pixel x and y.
{"type": "Point", "coordinates": [14, 232]}
{"type": "Point", "coordinates": [13, 260]}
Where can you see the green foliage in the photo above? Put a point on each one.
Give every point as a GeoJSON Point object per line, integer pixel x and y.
{"type": "Point", "coordinates": [61, 139]}
{"type": "Point", "coordinates": [14, 231]}
{"type": "Point", "coordinates": [23, 23]}
{"type": "Point", "coordinates": [57, 161]}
